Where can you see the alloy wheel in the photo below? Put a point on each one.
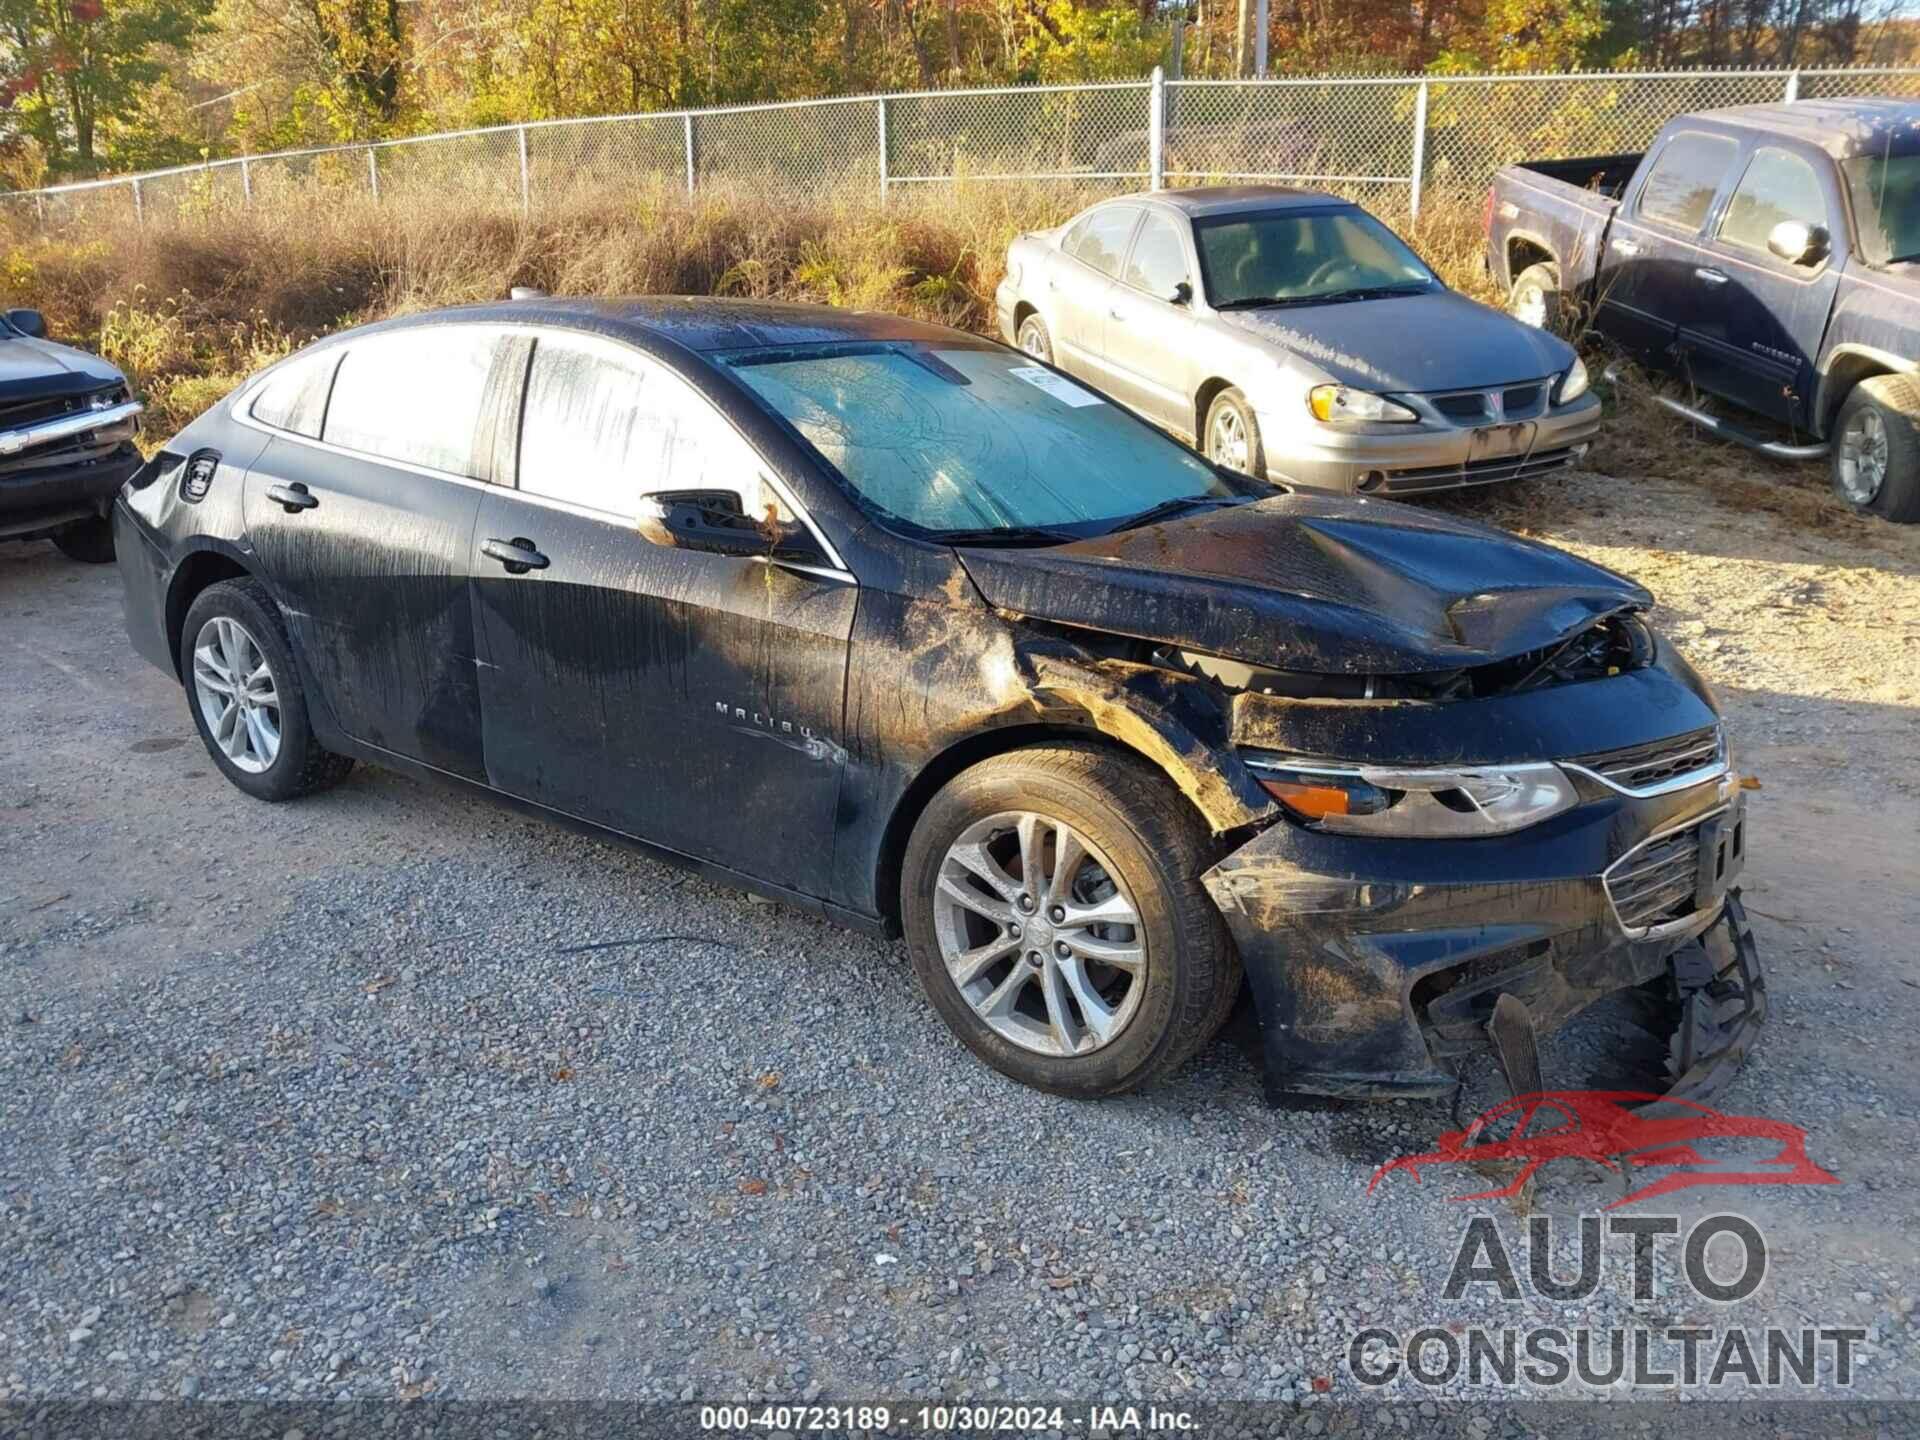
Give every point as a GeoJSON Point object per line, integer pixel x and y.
{"type": "Point", "coordinates": [1863, 457]}
{"type": "Point", "coordinates": [1529, 306]}
{"type": "Point", "coordinates": [1038, 935]}
{"type": "Point", "coordinates": [1033, 341]}
{"type": "Point", "coordinates": [237, 694]}
{"type": "Point", "coordinates": [1227, 440]}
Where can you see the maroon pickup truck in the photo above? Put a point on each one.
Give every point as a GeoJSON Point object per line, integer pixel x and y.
{"type": "Point", "coordinates": [1770, 254]}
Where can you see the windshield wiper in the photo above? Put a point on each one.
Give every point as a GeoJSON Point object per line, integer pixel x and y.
{"type": "Point", "coordinates": [1176, 506]}
{"type": "Point", "coordinates": [1262, 302]}
{"type": "Point", "coordinates": [1006, 535]}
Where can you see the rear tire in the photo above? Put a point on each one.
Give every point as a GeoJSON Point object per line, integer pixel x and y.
{"type": "Point", "coordinates": [1232, 434]}
{"type": "Point", "coordinates": [256, 730]}
{"type": "Point", "coordinates": [90, 541]}
{"type": "Point", "coordinates": [1035, 339]}
{"type": "Point", "coordinates": [1876, 448]}
{"type": "Point", "coordinates": [1535, 298]}
{"type": "Point", "coordinates": [1144, 852]}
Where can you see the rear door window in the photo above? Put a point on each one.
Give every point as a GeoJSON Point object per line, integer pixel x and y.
{"type": "Point", "coordinates": [1100, 240]}
{"type": "Point", "coordinates": [1680, 188]}
{"type": "Point", "coordinates": [1778, 186]}
{"type": "Point", "coordinates": [295, 397]}
{"type": "Point", "coordinates": [414, 396]}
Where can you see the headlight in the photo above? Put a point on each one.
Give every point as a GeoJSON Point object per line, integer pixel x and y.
{"type": "Point", "coordinates": [1013, 270]}
{"type": "Point", "coordinates": [1338, 402]}
{"type": "Point", "coordinates": [1573, 384]}
{"type": "Point", "coordinates": [1458, 802]}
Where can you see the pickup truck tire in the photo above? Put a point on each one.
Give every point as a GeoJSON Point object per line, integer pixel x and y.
{"type": "Point", "coordinates": [1535, 297]}
{"type": "Point", "coordinates": [1005, 959]}
{"type": "Point", "coordinates": [270, 754]}
{"type": "Point", "coordinates": [1876, 448]}
{"type": "Point", "coordinates": [90, 542]}
{"type": "Point", "coordinates": [1232, 435]}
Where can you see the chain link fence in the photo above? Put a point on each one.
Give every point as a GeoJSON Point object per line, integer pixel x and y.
{"type": "Point", "coordinates": [1387, 139]}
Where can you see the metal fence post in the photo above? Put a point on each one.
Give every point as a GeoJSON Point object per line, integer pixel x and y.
{"type": "Point", "coordinates": [883, 149]}
{"type": "Point", "coordinates": [1793, 86]}
{"type": "Point", "coordinates": [690, 170]}
{"type": "Point", "coordinates": [1157, 130]}
{"type": "Point", "coordinates": [373, 172]}
{"type": "Point", "coordinates": [246, 180]}
{"type": "Point", "coordinates": [1419, 148]}
{"type": "Point", "coordinates": [526, 184]}
{"type": "Point", "coordinates": [139, 207]}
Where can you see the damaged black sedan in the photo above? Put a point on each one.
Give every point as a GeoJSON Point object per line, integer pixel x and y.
{"type": "Point", "coordinates": [899, 625]}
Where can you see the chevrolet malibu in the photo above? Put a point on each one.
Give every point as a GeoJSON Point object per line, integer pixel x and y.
{"type": "Point", "coordinates": [1292, 335]}
{"type": "Point", "coordinates": [902, 627]}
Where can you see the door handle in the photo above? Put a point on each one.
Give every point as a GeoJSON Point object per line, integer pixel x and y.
{"type": "Point", "coordinates": [1113, 314]}
{"type": "Point", "coordinates": [1627, 247]}
{"type": "Point", "coordinates": [1711, 276]}
{"type": "Point", "coordinates": [517, 555]}
{"type": "Point", "coordinates": [292, 498]}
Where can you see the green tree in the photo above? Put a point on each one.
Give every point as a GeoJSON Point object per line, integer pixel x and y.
{"type": "Point", "coordinates": [73, 70]}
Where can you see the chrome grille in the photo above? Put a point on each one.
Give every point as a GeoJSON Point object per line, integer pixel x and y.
{"type": "Point", "coordinates": [1656, 882]}
{"type": "Point", "coordinates": [1643, 767]}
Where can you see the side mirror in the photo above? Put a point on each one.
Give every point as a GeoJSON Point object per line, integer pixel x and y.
{"type": "Point", "coordinates": [1797, 242]}
{"type": "Point", "coordinates": [1182, 293]}
{"type": "Point", "coordinates": [28, 322]}
{"type": "Point", "coordinates": [712, 521]}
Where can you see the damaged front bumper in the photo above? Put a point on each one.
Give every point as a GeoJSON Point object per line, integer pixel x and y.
{"type": "Point", "coordinates": [1376, 964]}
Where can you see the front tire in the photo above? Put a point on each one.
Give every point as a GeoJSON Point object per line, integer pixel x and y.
{"type": "Point", "coordinates": [1052, 903]}
{"type": "Point", "coordinates": [1233, 435]}
{"type": "Point", "coordinates": [1535, 297]}
{"type": "Point", "coordinates": [1876, 448]}
{"type": "Point", "coordinates": [245, 694]}
{"type": "Point", "coordinates": [1035, 339]}
{"type": "Point", "coordinates": [90, 542]}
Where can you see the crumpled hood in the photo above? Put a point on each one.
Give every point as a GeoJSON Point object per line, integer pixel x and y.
{"type": "Point", "coordinates": [1410, 343]}
{"type": "Point", "coordinates": [1322, 584]}
{"type": "Point", "coordinates": [32, 368]}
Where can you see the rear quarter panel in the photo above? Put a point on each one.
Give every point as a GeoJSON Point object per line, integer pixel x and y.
{"type": "Point", "coordinates": [1567, 222]}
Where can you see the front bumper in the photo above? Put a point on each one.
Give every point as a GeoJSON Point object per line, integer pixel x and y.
{"type": "Point", "coordinates": [1375, 967]}
{"type": "Point", "coordinates": [1426, 455]}
{"type": "Point", "coordinates": [51, 477]}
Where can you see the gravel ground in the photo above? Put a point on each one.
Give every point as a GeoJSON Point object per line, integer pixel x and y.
{"type": "Point", "coordinates": [390, 1093]}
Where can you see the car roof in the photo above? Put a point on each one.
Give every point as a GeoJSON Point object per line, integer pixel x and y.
{"type": "Point", "coordinates": [698, 323]}
{"type": "Point", "coordinates": [1229, 199]}
{"type": "Point", "coordinates": [1849, 125]}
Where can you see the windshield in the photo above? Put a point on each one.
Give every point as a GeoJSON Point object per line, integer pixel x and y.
{"type": "Point", "coordinates": [962, 438]}
{"type": "Point", "coordinates": [1886, 205]}
{"type": "Point", "coordinates": [1293, 257]}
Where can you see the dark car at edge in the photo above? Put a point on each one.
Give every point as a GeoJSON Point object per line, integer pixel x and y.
{"type": "Point", "coordinates": [895, 624]}
{"type": "Point", "coordinates": [67, 422]}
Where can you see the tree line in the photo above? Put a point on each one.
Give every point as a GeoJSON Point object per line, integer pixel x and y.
{"type": "Point", "coordinates": [102, 86]}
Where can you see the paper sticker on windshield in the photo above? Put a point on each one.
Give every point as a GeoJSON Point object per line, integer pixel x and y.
{"type": "Point", "coordinates": [1058, 386]}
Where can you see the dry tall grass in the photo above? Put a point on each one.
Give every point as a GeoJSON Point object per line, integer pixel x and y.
{"type": "Point", "coordinates": [190, 306]}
